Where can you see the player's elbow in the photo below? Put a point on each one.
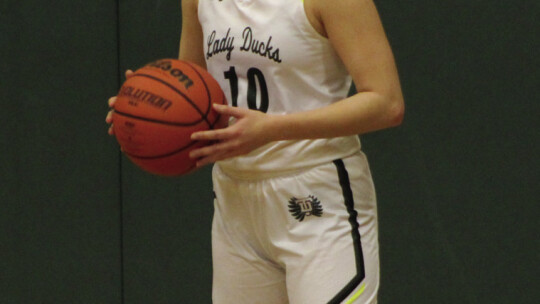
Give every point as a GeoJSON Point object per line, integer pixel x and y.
{"type": "Point", "coordinates": [395, 111]}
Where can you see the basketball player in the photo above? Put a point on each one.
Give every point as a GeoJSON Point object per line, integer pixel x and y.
{"type": "Point", "coordinates": [295, 210]}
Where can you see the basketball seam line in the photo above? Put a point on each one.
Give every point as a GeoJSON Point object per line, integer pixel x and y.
{"type": "Point", "coordinates": [182, 124]}
{"type": "Point", "coordinates": [163, 155]}
{"type": "Point", "coordinates": [207, 93]}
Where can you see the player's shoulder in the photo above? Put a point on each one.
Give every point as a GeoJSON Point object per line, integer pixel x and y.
{"type": "Point", "coordinates": [340, 11]}
{"type": "Point", "coordinates": [321, 6]}
{"type": "Point", "coordinates": [320, 11]}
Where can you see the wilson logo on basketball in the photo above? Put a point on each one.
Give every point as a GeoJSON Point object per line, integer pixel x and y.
{"type": "Point", "coordinates": [139, 95]}
{"type": "Point", "coordinates": [166, 66]}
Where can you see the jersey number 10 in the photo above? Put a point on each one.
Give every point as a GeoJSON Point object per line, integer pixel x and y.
{"type": "Point", "coordinates": [254, 75]}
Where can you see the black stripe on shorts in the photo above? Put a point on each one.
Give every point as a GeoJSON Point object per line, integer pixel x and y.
{"type": "Point", "coordinates": [355, 233]}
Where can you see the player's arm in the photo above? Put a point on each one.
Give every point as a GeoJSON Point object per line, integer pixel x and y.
{"type": "Point", "coordinates": [356, 33]}
{"type": "Point", "coordinates": [191, 41]}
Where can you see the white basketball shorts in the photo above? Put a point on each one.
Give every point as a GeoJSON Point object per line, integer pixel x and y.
{"type": "Point", "coordinates": [304, 238]}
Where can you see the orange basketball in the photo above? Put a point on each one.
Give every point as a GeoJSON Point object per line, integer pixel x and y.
{"type": "Point", "coordinates": [159, 107]}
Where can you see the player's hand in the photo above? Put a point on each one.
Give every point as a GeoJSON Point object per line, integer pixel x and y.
{"type": "Point", "coordinates": [248, 132]}
{"type": "Point", "coordinates": [111, 102]}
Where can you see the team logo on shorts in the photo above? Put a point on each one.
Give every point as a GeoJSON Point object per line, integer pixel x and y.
{"type": "Point", "coordinates": [302, 207]}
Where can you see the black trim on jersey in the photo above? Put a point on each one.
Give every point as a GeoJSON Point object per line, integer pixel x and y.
{"type": "Point", "coordinates": [358, 254]}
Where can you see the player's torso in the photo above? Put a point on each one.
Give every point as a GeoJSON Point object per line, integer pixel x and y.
{"type": "Point", "coordinates": [267, 56]}
{"type": "Point", "coordinates": [264, 52]}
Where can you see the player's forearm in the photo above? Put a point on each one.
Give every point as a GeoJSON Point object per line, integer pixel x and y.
{"type": "Point", "coordinates": [361, 113]}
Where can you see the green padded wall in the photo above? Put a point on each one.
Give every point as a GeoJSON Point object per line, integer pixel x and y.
{"type": "Point", "coordinates": [59, 235]}
{"type": "Point", "coordinates": [458, 182]}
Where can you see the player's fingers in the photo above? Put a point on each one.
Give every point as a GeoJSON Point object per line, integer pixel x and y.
{"type": "Point", "coordinates": [129, 73]}
{"type": "Point", "coordinates": [210, 150]}
{"type": "Point", "coordinates": [203, 161]}
{"type": "Point", "coordinates": [108, 119]}
{"type": "Point", "coordinates": [216, 157]}
{"type": "Point", "coordinates": [219, 134]}
{"type": "Point", "coordinates": [111, 130]}
{"type": "Point", "coordinates": [112, 100]}
{"type": "Point", "coordinates": [230, 111]}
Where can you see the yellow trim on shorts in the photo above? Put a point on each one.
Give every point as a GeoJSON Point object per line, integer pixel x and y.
{"type": "Point", "coordinates": [358, 293]}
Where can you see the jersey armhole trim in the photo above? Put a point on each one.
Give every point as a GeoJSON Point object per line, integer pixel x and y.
{"type": "Point", "coordinates": [309, 25]}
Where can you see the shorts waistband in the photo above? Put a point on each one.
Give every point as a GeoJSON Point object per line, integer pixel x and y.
{"type": "Point", "coordinates": [262, 175]}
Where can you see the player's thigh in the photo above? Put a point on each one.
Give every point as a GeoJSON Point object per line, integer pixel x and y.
{"type": "Point", "coordinates": [340, 253]}
{"type": "Point", "coordinates": [241, 272]}
{"type": "Point", "coordinates": [334, 280]}
{"type": "Point", "coordinates": [240, 277]}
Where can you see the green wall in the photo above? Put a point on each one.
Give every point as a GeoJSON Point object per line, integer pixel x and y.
{"type": "Point", "coordinates": [59, 236]}
{"type": "Point", "coordinates": [457, 183]}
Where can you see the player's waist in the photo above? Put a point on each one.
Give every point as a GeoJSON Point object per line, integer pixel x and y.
{"type": "Point", "coordinates": [288, 157]}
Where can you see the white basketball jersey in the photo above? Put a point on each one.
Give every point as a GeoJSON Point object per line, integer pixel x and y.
{"type": "Point", "coordinates": [266, 56]}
